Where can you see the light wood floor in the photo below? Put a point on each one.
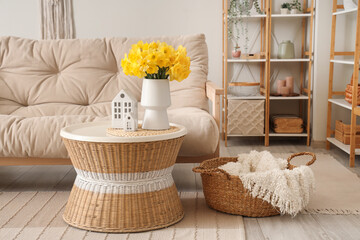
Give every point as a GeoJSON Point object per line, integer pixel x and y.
{"type": "Point", "coordinates": [60, 178]}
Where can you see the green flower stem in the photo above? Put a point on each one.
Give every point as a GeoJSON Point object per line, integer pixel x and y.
{"type": "Point", "coordinates": [161, 74]}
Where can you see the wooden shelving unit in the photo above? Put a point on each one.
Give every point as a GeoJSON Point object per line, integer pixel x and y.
{"type": "Point", "coordinates": [338, 11]}
{"type": "Point", "coordinates": [266, 65]}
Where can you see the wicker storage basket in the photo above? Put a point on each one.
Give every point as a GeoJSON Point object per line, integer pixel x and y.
{"type": "Point", "coordinates": [225, 193]}
{"type": "Point", "coordinates": [287, 124]}
{"type": "Point", "coordinates": [342, 133]}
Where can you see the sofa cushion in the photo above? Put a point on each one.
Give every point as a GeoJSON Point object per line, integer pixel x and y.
{"type": "Point", "coordinates": [40, 136]}
{"type": "Point", "coordinates": [76, 76]}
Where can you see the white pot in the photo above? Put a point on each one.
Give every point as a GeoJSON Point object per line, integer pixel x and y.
{"type": "Point", "coordinates": [350, 4]}
{"type": "Point", "coordinates": [284, 11]}
{"type": "Point", "coordinates": [155, 98]}
{"type": "Point", "coordinates": [294, 11]}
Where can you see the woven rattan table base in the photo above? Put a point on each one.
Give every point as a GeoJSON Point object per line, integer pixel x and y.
{"type": "Point", "coordinates": [123, 187]}
{"type": "Point", "coordinates": [123, 212]}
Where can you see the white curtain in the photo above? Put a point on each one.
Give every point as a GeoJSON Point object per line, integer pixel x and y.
{"type": "Point", "coordinates": [57, 19]}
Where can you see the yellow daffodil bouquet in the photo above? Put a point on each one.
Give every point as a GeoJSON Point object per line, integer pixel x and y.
{"type": "Point", "coordinates": [156, 60]}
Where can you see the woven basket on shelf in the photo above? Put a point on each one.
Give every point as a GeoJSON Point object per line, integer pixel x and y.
{"type": "Point", "coordinates": [226, 193]}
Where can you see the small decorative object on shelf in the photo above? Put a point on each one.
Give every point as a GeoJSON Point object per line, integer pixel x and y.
{"type": "Point", "coordinates": [285, 8]}
{"type": "Point", "coordinates": [236, 52]}
{"type": "Point", "coordinates": [285, 87]}
{"type": "Point", "coordinates": [280, 83]}
{"type": "Point", "coordinates": [260, 55]}
{"type": "Point", "coordinates": [290, 83]}
{"type": "Point", "coordinates": [158, 63]}
{"type": "Point", "coordinates": [286, 50]}
{"type": "Point", "coordinates": [124, 111]}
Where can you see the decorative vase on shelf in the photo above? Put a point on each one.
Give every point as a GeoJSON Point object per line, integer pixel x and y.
{"type": "Point", "coordinates": [236, 53]}
{"type": "Point", "coordinates": [284, 11]}
{"type": "Point", "coordinates": [350, 4]}
{"type": "Point", "coordinates": [286, 50]}
{"type": "Point", "coordinates": [155, 98]}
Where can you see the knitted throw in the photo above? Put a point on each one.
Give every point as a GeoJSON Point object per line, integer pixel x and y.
{"type": "Point", "coordinates": [56, 19]}
{"type": "Point", "coordinates": [266, 177]}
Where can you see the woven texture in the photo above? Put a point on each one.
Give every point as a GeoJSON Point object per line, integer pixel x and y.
{"type": "Point", "coordinates": [226, 193]}
{"type": "Point", "coordinates": [140, 132]}
{"type": "Point", "coordinates": [101, 200]}
{"type": "Point", "coordinates": [246, 117]}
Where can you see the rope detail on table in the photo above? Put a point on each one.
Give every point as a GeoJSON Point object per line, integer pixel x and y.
{"type": "Point", "coordinates": [124, 183]}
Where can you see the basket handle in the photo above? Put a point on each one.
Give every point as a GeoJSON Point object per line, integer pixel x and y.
{"type": "Point", "coordinates": [290, 166]}
{"type": "Point", "coordinates": [210, 171]}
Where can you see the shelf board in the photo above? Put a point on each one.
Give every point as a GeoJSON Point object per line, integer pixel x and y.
{"type": "Point", "coordinates": [276, 15]}
{"type": "Point", "coordinates": [345, 11]}
{"type": "Point", "coordinates": [341, 102]}
{"type": "Point", "coordinates": [290, 60]}
{"type": "Point", "coordinates": [251, 16]}
{"type": "Point", "coordinates": [254, 97]}
{"type": "Point", "coordinates": [344, 147]}
{"type": "Point", "coordinates": [233, 60]}
{"type": "Point", "coordinates": [349, 62]}
{"type": "Point", "coordinates": [289, 98]}
{"type": "Point", "coordinates": [273, 134]}
{"type": "Point", "coordinates": [239, 135]}
{"type": "Point", "coordinates": [291, 15]}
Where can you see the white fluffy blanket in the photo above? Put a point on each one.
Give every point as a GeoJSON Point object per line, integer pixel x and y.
{"type": "Point", "coordinates": [266, 177]}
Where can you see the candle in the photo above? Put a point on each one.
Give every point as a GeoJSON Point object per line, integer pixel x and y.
{"type": "Point", "coordinates": [290, 83]}
{"type": "Point", "coordinates": [280, 84]}
{"type": "Point", "coordinates": [285, 91]}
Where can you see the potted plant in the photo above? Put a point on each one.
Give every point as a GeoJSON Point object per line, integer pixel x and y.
{"type": "Point", "coordinates": [285, 8]}
{"type": "Point", "coordinates": [236, 12]}
{"type": "Point", "coordinates": [295, 7]}
{"type": "Point", "coordinates": [158, 63]}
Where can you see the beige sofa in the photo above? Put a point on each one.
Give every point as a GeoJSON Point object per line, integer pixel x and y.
{"type": "Point", "coordinates": [46, 85]}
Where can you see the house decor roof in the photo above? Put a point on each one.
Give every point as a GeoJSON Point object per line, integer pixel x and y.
{"type": "Point", "coordinates": [119, 132]}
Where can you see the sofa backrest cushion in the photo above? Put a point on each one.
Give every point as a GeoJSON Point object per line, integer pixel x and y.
{"type": "Point", "coordinates": [81, 76]}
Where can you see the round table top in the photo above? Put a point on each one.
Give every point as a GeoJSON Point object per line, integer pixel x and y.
{"type": "Point", "coordinates": [96, 132]}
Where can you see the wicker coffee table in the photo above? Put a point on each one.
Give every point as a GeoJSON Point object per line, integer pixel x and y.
{"type": "Point", "coordinates": [123, 184]}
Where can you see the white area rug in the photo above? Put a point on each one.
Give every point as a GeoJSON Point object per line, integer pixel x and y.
{"type": "Point", "coordinates": [337, 189]}
{"type": "Point", "coordinates": [38, 215]}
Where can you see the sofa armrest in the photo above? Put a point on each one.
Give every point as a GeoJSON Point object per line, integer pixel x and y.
{"type": "Point", "coordinates": [214, 92]}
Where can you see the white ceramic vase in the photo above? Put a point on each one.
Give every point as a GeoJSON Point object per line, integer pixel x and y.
{"type": "Point", "coordinates": [155, 98]}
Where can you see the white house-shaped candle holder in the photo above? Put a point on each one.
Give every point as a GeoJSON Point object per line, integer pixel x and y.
{"type": "Point", "coordinates": [124, 111]}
